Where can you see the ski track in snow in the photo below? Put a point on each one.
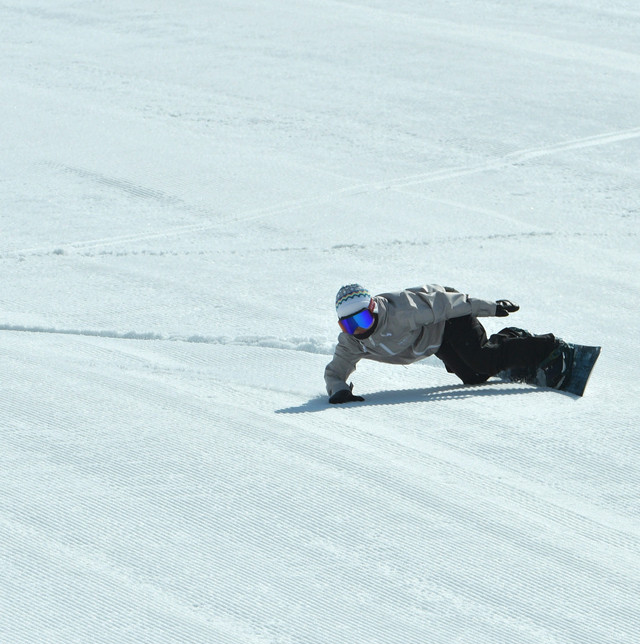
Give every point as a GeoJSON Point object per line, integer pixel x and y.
{"type": "Point", "coordinates": [216, 220]}
{"type": "Point", "coordinates": [64, 249]}
{"type": "Point", "coordinates": [518, 157]}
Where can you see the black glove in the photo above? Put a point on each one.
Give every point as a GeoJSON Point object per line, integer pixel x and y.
{"type": "Point", "coordinates": [344, 396]}
{"type": "Point", "coordinates": [504, 307]}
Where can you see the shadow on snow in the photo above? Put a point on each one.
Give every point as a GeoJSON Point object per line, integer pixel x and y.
{"type": "Point", "coordinates": [430, 394]}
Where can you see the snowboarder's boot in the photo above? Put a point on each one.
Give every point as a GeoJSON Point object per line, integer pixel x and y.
{"type": "Point", "coordinates": [514, 374]}
{"type": "Point", "coordinates": [555, 369]}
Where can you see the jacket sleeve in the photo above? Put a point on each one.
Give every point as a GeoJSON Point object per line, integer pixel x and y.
{"type": "Point", "coordinates": [346, 356]}
{"type": "Point", "coordinates": [445, 303]}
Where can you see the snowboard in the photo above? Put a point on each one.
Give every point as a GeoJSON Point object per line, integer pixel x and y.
{"type": "Point", "coordinates": [582, 359]}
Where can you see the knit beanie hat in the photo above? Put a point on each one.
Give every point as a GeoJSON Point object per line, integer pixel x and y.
{"type": "Point", "coordinates": [351, 299]}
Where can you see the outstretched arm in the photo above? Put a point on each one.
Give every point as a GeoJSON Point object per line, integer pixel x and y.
{"type": "Point", "coordinates": [444, 303]}
{"type": "Point", "coordinates": [346, 356]}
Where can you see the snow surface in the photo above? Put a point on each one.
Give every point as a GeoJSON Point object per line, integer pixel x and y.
{"type": "Point", "coordinates": [184, 186]}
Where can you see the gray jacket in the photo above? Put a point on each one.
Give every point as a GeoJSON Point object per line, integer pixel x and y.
{"type": "Point", "coordinates": [410, 328]}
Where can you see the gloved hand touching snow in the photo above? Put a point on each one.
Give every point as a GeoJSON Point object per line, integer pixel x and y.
{"type": "Point", "coordinates": [504, 307]}
{"type": "Point", "coordinates": [344, 396]}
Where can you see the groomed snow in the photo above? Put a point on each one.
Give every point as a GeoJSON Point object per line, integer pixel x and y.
{"type": "Point", "coordinates": [184, 186]}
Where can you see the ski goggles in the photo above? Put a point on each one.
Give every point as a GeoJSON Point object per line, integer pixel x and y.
{"type": "Point", "coordinates": [362, 320]}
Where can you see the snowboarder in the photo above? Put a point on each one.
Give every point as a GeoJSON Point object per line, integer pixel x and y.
{"type": "Point", "coordinates": [410, 325]}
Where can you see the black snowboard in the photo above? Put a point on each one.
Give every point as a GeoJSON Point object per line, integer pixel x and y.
{"type": "Point", "coordinates": [582, 360]}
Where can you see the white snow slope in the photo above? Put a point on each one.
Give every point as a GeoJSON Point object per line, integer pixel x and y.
{"type": "Point", "coordinates": [184, 186]}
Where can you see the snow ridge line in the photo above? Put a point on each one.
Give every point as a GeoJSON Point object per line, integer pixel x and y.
{"type": "Point", "coordinates": [307, 345]}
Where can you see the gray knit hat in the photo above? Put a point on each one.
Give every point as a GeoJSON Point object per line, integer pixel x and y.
{"type": "Point", "coordinates": [351, 299]}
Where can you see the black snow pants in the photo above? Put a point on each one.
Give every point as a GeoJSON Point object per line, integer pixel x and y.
{"type": "Point", "coordinates": [474, 358]}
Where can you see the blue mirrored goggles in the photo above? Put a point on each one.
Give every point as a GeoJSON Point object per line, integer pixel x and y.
{"type": "Point", "coordinates": [362, 320]}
